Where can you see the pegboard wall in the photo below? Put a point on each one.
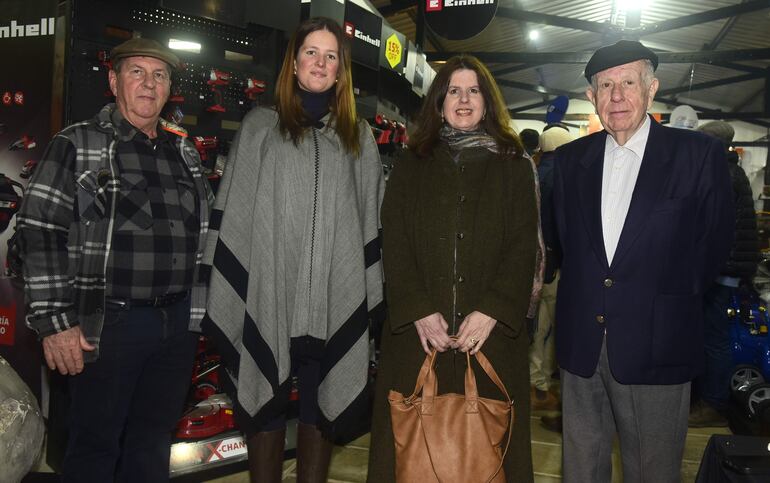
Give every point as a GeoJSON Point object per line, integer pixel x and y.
{"type": "Point", "coordinates": [234, 70]}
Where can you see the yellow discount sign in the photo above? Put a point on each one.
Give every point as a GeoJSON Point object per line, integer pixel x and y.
{"type": "Point", "coordinates": [393, 51]}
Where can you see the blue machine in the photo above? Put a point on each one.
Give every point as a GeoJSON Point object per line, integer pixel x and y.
{"type": "Point", "coordinates": [750, 343]}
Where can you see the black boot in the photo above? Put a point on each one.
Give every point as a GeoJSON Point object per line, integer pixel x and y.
{"type": "Point", "coordinates": [313, 454]}
{"type": "Point", "coordinates": [266, 456]}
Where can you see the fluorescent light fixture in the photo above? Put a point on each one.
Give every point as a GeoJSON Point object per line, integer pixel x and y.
{"type": "Point", "coordinates": [632, 5]}
{"type": "Point", "coordinates": [534, 34]}
{"type": "Point", "coordinates": [175, 44]}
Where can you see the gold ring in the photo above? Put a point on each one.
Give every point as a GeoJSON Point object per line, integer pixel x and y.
{"type": "Point", "coordinates": [473, 341]}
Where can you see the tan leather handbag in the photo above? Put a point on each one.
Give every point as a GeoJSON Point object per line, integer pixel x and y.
{"type": "Point", "coordinates": [450, 438]}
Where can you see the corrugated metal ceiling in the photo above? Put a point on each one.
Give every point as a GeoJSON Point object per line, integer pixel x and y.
{"type": "Point", "coordinates": [746, 31]}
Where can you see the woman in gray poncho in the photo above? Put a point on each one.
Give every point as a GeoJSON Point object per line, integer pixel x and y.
{"type": "Point", "coordinates": [295, 258]}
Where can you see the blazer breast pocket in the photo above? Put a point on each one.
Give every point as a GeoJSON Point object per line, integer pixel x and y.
{"type": "Point", "coordinates": [133, 211]}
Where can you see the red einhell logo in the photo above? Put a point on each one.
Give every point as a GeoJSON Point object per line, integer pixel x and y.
{"type": "Point", "coordinates": [437, 5]}
{"type": "Point", "coordinates": [42, 28]}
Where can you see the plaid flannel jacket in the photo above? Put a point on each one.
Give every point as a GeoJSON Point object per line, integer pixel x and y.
{"type": "Point", "coordinates": [65, 227]}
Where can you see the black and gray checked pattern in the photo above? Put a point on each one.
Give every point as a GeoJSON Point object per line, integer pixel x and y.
{"type": "Point", "coordinates": [66, 224]}
{"type": "Point", "coordinates": [156, 218]}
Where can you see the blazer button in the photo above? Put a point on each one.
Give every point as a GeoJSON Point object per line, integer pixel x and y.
{"type": "Point", "coordinates": [460, 236]}
{"type": "Point", "coordinates": [460, 315]}
{"type": "Point", "coordinates": [461, 279]}
{"type": "Point", "coordinates": [462, 198]}
{"type": "Point", "coordinates": [608, 282]}
{"type": "Point", "coordinates": [600, 319]}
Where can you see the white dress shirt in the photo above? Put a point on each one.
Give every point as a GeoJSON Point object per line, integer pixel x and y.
{"type": "Point", "coordinates": [621, 168]}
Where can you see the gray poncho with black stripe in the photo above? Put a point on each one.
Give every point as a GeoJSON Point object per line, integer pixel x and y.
{"type": "Point", "coordinates": [294, 250]}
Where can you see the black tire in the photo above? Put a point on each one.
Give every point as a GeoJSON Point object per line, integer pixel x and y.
{"type": "Point", "coordinates": [758, 399]}
{"type": "Point", "coordinates": [744, 377]}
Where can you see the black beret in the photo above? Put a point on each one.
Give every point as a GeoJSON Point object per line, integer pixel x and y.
{"type": "Point", "coordinates": [622, 52]}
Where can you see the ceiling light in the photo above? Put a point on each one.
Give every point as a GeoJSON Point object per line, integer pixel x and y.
{"type": "Point", "coordinates": [534, 34]}
{"type": "Point", "coordinates": [632, 5]}
{"type": "Point", "coordinates": [184, 45]}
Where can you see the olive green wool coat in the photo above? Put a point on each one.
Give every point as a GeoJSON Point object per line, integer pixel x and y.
{"type": "Point", "coordinates": [459, 234]}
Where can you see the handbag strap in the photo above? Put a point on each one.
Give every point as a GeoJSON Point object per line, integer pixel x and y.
{"type": "Point", "coordinates": [427, 384]}
{"type": "Point", "coordinates": [490, 371]}
{"type": "Point", "coordinates": [471, 397]}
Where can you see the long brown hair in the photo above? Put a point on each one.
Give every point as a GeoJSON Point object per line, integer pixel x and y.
{"type": "Point", "coordinates": [292, 120]}
{"type": "Point", "coordinates": [497, 122]}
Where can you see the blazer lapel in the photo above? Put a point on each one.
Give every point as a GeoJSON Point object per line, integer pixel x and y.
{"type": "Point", "coordinates": [649, 183]}
{"type": "Point", "coordinates": [589, 184]}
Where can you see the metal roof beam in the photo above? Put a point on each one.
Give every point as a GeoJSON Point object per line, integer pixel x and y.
{"type": "Point", "coordinates": [699, 18]}
{"type": "Point", "coordinates": [706, 113]}
{"type": "Point", "coordinates": [606, 28]}
{"type": "Point", "coordinates": [536, 88]}
{"type": "Point", "coordinates": [512, 69]}
{"type": "Point", "coordinates": [711, 57]}
{"type": "Point", "coordinates": [750, 117]}
{"type": "Point", "coordinates": [739, 67]}
{"type": "Point", "coordinates": [709, 84]}
{"type": "Point", "coordinates": [555, 20]}
{"type": "Point", "coordinates": [749, 99]}
{"type": "Point", "coordinates": [727, 65]}
{"type": "Point", "coordinates": [767, 95]}
{"type": "Point", "coordinates": [514, 110]}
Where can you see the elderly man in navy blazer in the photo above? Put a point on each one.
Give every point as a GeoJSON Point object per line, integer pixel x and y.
{"type": "Point", "coordinates": [645, 221]}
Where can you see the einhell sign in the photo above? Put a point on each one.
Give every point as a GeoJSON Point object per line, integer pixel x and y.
{"type": "Point", "coordinates": [364, 30]}
{"type": "Point", "coordinates": [45, 26]}
{"type": "Point", "coordinates": [459, 19]}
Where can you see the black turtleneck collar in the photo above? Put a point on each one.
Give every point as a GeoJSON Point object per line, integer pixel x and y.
{"type": "Point", "coordinates": [315, 104]}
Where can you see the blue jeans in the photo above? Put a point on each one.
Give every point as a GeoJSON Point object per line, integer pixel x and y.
{"type": "Point", "coordinates": [713, 385]}
{"type": "Point", "coordinates": [125, 406]}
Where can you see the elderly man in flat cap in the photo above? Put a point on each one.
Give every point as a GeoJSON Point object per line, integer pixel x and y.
{"type": "Point", "coordinates": [644, 218]}
{"type": "Point", "coordinates": [110, 234]}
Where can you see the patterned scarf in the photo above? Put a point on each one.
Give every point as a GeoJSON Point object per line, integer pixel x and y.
{"type": "Point", "coordinates": [458, 140]}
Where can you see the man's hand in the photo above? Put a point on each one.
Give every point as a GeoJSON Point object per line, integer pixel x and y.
{"type": "Point", "coordinates": [474, 331]}
{"type": "Point", "coordinates": [64, 351]}
{"type": "Point", "coordinates": [433, 333]}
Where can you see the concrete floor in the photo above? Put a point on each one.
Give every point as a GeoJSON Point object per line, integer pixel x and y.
{"type": "Point", "coordinates": [349, 462]}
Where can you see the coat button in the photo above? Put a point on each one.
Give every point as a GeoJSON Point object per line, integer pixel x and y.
{"type": "Point", "coordinates": [600, 319]}
{"type": "Point", "coordinates": [608, 282]}
{"type": "Point", "coordinates": [460, 315]}
{"type": "Point", "coordinates": [460, 279]}
{"type": "Point", "coordinates": [462, 168]}
{"type": "Point", "coordinates": [462, 198]}
{"type": "Point", "coordinates": [460, 236]}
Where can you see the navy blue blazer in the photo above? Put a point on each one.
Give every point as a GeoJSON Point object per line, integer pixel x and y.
{"type": "Point", "coordinates": [676, 237]}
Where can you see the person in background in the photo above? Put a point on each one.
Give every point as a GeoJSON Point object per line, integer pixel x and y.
{"type": "Point", "coordinates": [644, 217]}
{"type": "Point", "coordinates": [541, 351]}
{"type": "Point", "coordinates": [110, 233]}
{"type": "Point", "coordinates": [460, 246]}
{"type": "Point", "coordinates": [530, 139]}
{"type": "Point", "coordinates": [713, 385]}
{"type": "Point", "coordinates": [295, 259]}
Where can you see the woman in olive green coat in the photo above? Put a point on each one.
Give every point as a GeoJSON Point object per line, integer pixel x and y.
{"type": "Point", "coordinates": [460, 243]}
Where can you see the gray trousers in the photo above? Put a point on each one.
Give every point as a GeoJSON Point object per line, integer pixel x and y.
{"type": "Point", "coordinates": [651, 423]}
